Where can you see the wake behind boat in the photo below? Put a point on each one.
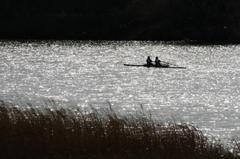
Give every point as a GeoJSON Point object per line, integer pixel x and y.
{"type": "Point", "coordinates": [155, 66]}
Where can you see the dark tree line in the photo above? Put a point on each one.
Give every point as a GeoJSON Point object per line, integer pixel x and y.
{"type": "Point", "coordinates": [204, 20]}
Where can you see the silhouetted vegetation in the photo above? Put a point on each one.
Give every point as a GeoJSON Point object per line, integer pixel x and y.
{"type": "Point", "coordinates": [73, 133]}
{"type": "Point", "coordinates": [205, 20]}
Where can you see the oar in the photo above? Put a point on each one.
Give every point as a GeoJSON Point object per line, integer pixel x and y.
{"type": "Point", "coordinates": [169, 63]}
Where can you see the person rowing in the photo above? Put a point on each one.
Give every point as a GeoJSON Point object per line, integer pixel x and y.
{"type": "Point", "coordinates": [157, 61]}
{"type": "Point", "coordinates": [149, 61]}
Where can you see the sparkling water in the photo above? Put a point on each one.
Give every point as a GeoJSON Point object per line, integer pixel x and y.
{"type": "Point", "coordinates": [206, 94]}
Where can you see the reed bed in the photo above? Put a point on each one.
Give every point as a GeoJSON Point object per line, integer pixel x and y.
{"type": "Point", "coordinates": [76, 134]}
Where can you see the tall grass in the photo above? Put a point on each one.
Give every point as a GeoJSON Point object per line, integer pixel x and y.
{"type": "Point", "coordinates": [73, 133]}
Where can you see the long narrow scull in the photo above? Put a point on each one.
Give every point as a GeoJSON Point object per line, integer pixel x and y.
{"type": "Point", "coordinates": [154, 66]}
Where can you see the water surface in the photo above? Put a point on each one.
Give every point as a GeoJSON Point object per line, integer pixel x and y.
{"type": "Point", "coordinates": [92, 73]}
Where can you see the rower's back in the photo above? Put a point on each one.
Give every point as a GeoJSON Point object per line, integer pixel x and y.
{"type": "Point", "coordinates": [157, 61]}
{"type": "Point", "coordinates": [149, 61]}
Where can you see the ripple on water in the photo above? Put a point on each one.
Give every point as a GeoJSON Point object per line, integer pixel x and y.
{"type": "Point", "coordinates": [92, 73]}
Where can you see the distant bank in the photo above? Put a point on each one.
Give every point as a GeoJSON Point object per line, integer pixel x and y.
{"type": "Point", "coordinates": [85, 28]}
{"type": "Point", "coordinates": [204, 21]}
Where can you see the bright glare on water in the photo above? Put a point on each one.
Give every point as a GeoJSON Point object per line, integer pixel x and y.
{"type": "Point", "coordinates": [206, 94]}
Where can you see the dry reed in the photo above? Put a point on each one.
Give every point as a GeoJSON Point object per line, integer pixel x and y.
{"type": "Point", "coordinates": [75, 134]}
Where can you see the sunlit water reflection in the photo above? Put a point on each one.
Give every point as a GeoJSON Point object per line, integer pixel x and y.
{"type": "Point", "coordinates": [86, 73]}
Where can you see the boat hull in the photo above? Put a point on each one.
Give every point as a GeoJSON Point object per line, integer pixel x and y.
{"type": "Point", "coordinates": [155, 66]}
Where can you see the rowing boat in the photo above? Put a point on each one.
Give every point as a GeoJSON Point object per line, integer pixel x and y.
{"type": "Point", "coordinates": [155, 66]}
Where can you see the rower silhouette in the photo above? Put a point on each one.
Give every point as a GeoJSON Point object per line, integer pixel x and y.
{"type": "Point", "coordinates": [157, 61]}
{"type": "Point", "coordinates": [149, 61]}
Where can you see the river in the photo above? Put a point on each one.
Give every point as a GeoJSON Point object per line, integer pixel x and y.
{"type": "Point", "coordinates": [86, 73]}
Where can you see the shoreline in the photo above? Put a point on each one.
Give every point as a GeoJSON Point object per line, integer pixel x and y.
{"type": "Point", "coordinates": [75, 133]}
